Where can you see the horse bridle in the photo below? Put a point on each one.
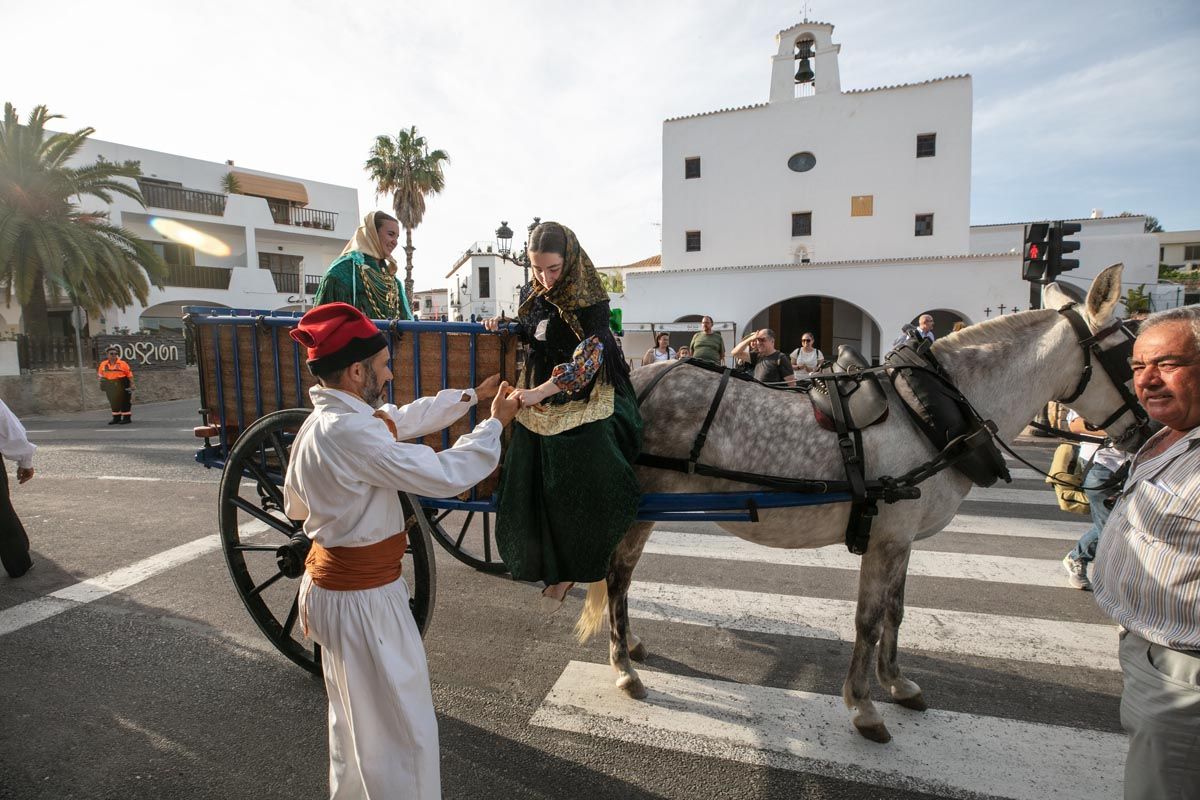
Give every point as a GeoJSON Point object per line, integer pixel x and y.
{"type": "Point", "coordinates": [1115, 363]}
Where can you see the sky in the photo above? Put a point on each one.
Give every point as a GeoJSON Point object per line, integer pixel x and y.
{"type": "Point", "coordinates": [555, 109]}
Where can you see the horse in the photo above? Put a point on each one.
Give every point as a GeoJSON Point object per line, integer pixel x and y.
{"type": "Point", "coordinates": [1008, 368]}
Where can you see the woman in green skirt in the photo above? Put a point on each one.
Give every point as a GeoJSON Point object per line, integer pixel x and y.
{"type": "Point", "coordinates": [567, 491]}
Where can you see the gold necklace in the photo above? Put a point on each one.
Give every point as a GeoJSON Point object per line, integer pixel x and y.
{"type": "Point", "coordinates": [382, 298]}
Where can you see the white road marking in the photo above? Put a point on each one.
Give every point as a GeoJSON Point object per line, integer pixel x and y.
{"type": "Point", "coordinates": [942, 752]}
{"type": "Point", "coordinates": [1012, 526]}
{"type": "Point", "coordinates": [1035, 497]}
{"type": "Point", "coordinates": [999, 569]}
{"type": "Point", "coordinates": [1020, 474]}
{"type": "Point", "coordinates": [1074, 644]}
{"type": "Point", "coordinates": [32, 611]}
{"type": "Point", "coordinates": [124, 478]}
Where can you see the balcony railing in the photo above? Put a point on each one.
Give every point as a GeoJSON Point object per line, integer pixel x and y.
{"type": "Point", "coordinates": [311, 282]}
{"type": "Point", "coordinates": [198, 277]}
{"type": "Point", "coordinates": [286, 214]}
{"type": "Point", "coordinates": [288, 282]}
{"type": "Point", "coordinates": [179, 199]}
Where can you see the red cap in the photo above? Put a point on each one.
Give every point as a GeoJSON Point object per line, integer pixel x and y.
{"type": "Point", "coordinates": [337, 335]}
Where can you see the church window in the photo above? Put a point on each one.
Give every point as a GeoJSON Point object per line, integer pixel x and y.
{"type": "Point", "coordinates": [691, 167]}
{"type": "Point", "coordinates": [924, 225]}
{"type": "Point", "coordinates": [802, 223]}
{"type": "Point", "coordinates": [802, 162]}
{"type": "Point", "coordinates": [693, 242]}
{"type": "Point", "coordinates": [926, 145]}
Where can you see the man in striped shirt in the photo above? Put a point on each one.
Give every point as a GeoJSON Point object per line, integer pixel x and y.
{"type": "Point", "coordinates": [1147, 568]}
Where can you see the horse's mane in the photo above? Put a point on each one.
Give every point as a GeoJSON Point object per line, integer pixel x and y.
{"type": "Point", "coordinates": [1002, 329]}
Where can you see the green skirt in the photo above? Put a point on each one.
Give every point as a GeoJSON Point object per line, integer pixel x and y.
{"type": "Point", "coordinates": [567, 500]}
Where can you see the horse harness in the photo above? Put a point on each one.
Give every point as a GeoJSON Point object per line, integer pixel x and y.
{"type": "Point", "coordinates": [940, 411]}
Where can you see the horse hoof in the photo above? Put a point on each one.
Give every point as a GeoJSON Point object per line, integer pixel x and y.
{"type": "Point", "coordinates": [638, 652]}
{"type": "Point", "coordinates": [632, 685]}
{"type": "Point", "coordinates": [916, 702]}
{"type": "Point", "coordinates": [876, 733]}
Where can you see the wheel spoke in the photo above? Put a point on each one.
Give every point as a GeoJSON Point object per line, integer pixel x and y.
{"type": "Point", "coordinates": [487, 537]}
{"type": "Point", "coordinates": [263, 548]}
{"type": "Point", "coordinates": [280, 451]}
{"type": "Point", "coordinates": [463, 533]}
{"type": "Point", "coordinates": [264, 480]}
{"type": "Point", "coordinates": [258, 589]}
{"type": "Point", "coordinates": [437, 518]}
{"type": "Point", "coordinates": [290, 622]}
{"type": "Point", "coordinates": [286, 529]}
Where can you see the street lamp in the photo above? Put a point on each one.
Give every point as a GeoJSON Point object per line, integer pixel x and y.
{"type": "Point", "coordinates": [504, 235]}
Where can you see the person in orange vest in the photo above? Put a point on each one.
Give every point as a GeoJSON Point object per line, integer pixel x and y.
{"type": "Point", "coordinates": [116, 381]}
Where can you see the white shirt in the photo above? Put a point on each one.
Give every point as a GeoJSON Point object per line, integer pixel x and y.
{"type": "Point", "coordinates": [1109, 457]}
{"type": "Point", "coordinates": [809, 359]}
{"type": "Point", "coordinates": [14, 444]}
{"type": "Point", "coordinates": [346, 468]}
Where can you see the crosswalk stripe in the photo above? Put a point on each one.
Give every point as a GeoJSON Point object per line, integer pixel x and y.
{"type": "Point", "coordinates": [998, 569]}
{"type": "Point", "coordinates": [942, 752]}
{"type": "Point", "coordinates": [1044, 641]}
{"type": "Point", "coordinates": [1012, 526]}
{"type": "Point", "coordinates": [1034, 497]}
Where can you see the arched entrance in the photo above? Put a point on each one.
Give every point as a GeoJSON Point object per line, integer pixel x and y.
{"type": "Point", "coordinates": [831, 320]}
{"type": "Point", "coordinates": [943, 320]}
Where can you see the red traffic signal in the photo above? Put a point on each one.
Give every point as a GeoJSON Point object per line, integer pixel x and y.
{"type": "Point", "coordinates": [1033, 262]}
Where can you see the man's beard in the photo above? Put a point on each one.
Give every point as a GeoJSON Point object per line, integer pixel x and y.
{"type": "Point", "coordinates": [372, 387]}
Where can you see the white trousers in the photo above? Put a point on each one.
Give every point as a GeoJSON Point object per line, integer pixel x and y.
{"type": "Point", "coordinates": [383, 736]}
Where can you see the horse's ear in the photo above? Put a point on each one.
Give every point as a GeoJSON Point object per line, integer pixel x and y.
{"type": "Point", "coordinates": [1104, 295]}
{"type": "Point", "coordinates": [1057, 295]}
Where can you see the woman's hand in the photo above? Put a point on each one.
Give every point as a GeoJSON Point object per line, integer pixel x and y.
{"type": "Point", "coordinates": [531, 397]}
{"type": "Point", "coordinates": [494, 323]}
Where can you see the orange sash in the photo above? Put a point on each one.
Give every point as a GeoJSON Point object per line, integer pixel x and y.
{"type": "Point", "coordinates": [343, 569]}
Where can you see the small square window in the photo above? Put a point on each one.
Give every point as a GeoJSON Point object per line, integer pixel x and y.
{"type": "Point", "coordinates": [924, 225]}
{"type": "Point", "coordinates": [693, 241]}
{"type": "Point", "coordinates": [1191, 252]}
{"type": "Point", "coordinates": [862, 205]}
{"type": "Point", "coordinates": [802, 223]}
{"type": "Point", "coordinates": [691, 167]}
{"type": "Point", "coordinates": [926, 145]}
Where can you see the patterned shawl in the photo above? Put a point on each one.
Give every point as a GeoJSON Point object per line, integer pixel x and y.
{"type": "Point", "coordinates": [366, 240]}
{"type": "Point", "coordinates": [577, 287]}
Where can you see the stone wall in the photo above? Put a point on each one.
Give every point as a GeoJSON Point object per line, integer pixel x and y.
{"type": "Point", "coordinates": [57, 391]}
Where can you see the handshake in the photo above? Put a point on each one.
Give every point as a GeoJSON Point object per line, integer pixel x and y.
{"type": "Point", "coordinates": [506, 401]}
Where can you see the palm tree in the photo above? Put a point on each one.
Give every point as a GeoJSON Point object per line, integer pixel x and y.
{"type": "Point", "coordinates": [47, 239]}
{"type": "Point", "coordinates": [404, 167]}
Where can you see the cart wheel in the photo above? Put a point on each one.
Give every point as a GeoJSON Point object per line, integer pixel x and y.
{"type": "Point", "coordinates": [469, 536]}
{"type": "Point", "coordinates": [265, 550]}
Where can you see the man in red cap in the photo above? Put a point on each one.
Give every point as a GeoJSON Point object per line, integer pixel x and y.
{"type": "Point", "coordinates": [348, 461]}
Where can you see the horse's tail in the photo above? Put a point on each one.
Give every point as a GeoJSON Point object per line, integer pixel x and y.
{"type": "Point", "coordinates": [592, 616]}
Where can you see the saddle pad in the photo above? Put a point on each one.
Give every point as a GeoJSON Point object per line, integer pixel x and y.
{"type": "Point", "coordinates": [864, 400]}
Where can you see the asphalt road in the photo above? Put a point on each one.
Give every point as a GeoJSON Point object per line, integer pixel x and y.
{"type": "Point", "coordinates": [165, 688]}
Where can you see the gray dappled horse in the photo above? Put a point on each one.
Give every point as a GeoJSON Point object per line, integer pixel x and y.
{"type": "Point", "coordinates": [1008, 367]}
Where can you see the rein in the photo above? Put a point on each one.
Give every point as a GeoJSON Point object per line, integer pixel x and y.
{"type": "Point", "coordinates": [866, 493]}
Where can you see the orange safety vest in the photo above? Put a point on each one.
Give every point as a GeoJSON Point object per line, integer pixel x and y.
{"type": "Point", "coordinates": [114, 372]}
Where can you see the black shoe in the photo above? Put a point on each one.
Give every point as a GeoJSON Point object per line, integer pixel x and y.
{"type": "Point", "coordinates": [115, 420]}
{"type": "Point", "coordinates": [126, 420]}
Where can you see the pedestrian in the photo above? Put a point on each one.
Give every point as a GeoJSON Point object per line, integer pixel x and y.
{"type": "Point", "coordinates": [14, 445]}
{"type": "Point", "coordinates": [116, 381]}
{"type": "Point", "coordinates": [907, 331]}
{"type": "Point", "coordinates": [770, 366]}
{"type": "Point", "coordinates": [684, 353]}
{"type": "Point", "coordinates": [925, 327]}
{"type": "Point", "coordinates": [957, 326]}
{"type": "Point", "coordinates": [347, 464]}
{"type": "Point", "coordinates": [364, 275]}
{"type": "Point", "coordinates": [567, 492]}
{"type": "Point", "coordinates": [662, 350]}
{"type": "Point", "coordinates": [706, 345]}
{"type": "Point", "coordinates": [1147, 569]}
{"type": "Point", "coordinates": [1100, 481]}
{"type": "Point", "coordinates": [806, 357]}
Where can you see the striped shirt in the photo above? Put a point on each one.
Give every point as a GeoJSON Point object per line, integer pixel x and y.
{"type": "Point", "coordinates": [1147, 568]}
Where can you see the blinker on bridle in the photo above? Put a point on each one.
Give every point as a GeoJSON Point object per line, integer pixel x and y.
{"type": "Point", "coordinates": [1115, 363]}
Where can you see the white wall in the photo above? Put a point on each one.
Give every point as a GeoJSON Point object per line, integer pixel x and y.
{"type": "Point", "coordinates": [864, 143]}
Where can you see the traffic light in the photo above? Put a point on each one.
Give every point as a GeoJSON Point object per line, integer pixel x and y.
{"type": "Point", "coordinates": [1060, 245]}
{"type": "Point", "coordinates": [1037, 252]}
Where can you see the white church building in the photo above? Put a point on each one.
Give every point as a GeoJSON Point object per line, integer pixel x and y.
{"type": "Point", "coordinates": [841, 212]}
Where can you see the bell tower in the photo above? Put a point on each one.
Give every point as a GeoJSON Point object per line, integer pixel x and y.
{"type": "Point", "coordinates": [805, 63]}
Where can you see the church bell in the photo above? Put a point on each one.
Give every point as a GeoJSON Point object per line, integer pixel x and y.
{"type": "Point", "coordinates": [804, 74]}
